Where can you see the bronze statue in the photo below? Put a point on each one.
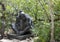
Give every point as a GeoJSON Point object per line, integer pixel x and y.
{"type": "Point", "coordinates": [23, 24]}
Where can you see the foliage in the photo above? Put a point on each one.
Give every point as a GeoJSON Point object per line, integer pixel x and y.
{"type": "Point", "coordinates": [39, 11]}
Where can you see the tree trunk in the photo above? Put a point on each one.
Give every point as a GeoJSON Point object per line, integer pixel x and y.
{"type": "Point", "coordinates": [52, 20]}
{"type": "Point", "coordinates": [3, 19]}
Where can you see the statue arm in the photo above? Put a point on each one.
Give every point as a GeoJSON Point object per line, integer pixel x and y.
{"type": "Point", "coordinates": [28, 27]}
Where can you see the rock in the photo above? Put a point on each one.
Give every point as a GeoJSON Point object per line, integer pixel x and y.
{"type": "Point", "coordinates": [15, 40]}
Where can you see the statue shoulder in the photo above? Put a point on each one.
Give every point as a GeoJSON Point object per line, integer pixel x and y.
{"type": "Point", "coordinates": [28, 16]}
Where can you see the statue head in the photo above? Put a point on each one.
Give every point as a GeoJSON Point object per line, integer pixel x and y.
{"type": "Point", "coordinates": [21, 12]}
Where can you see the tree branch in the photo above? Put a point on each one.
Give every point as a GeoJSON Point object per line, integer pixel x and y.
{"type": "Point", "coordinates": [49, 19]}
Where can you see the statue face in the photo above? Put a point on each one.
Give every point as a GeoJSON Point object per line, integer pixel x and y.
{"type": "Point", "coordinates": [22, 16]}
